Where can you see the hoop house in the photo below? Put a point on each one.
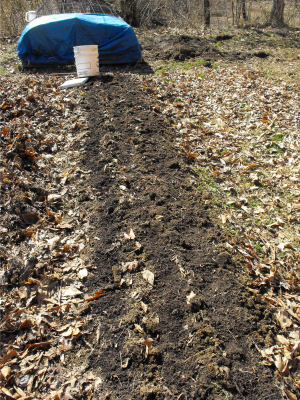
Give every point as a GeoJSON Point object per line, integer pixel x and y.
{"type": "Point", "coordinates": [51, 38]}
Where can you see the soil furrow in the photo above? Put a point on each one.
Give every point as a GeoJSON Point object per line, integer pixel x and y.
{"type": "Point", "coordinates": [190, 335]}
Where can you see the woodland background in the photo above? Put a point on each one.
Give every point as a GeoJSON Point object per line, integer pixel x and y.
{"type": "Point", "coordinates": [220, 14]}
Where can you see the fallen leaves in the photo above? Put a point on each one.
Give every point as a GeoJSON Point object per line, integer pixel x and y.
{"type": "Point", "coordinates": [241, 136]}
{"type": "Point", "coordinates": [43, 235]}
{"type": "Point", "coordinates": [284, 356]}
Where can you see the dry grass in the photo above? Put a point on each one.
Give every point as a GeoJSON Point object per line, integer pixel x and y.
{"type": "Point", "coordinates": [282, 64]}
{"type": "Point", "coordinates": [8, 58]}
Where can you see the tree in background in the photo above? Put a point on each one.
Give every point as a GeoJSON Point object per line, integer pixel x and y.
{"type": "Point", "coordinates": [129, 12]}
{"type": "Point", "coordinates": [244, 10]}
{"type": "Point", "coordinates": [145, 12]}
{"type": "Point", "coordinates": [206, 10]}
{"type": "Point", "coordinates": [239, 9]}
{"type": "Point", "coordinates": [276, 16]}
{"type": "Point", "coordinates": [12, 15]}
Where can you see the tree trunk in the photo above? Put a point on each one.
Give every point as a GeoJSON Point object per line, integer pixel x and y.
{"type": "Point", "coordinates": [206, 7]}
{"type": "Point", "coordinates": [62, 6]}
{"type": "Point", "coordinates": [129, 12]}
{"type": "Point", "coordinates": [244, 10]}
{"type": "Point", "coordinates": [276, 17]}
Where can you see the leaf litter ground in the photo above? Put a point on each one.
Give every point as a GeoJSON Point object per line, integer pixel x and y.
{"type": "Point", "coordinates": [117, 281]}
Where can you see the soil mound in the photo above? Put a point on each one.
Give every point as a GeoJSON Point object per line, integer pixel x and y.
{"type": "Point", "coordinates": [180, 47]}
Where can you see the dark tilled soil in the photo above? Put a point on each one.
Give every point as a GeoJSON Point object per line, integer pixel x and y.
{"type": "Point", "coordinates": [192, 334]}
{"type": "Point", "coordinates": [183, 48]}
{"type": "Point", "coordinates": [179, 48]}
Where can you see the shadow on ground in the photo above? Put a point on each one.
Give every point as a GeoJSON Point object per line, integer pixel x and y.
{"type": "Point", "coordinates": [139, 68]}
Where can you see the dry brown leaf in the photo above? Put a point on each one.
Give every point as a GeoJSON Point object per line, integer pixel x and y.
{"type": "Point", "coordinates": [60, 329]}
{"type": "Point", "coordinates": [148, 276]}
{"type": "Point", "coordinates": [125, 363]}
{"type": "Point", "coordinates": [25, 324]}
{"type": "Point", "coordinates": [64, 226]}
{"type": "Point", "coordinates": [290, 395]}
{"type": "Point", "coordinates": [39, 345]}
{"type": "Point", "coordinates": [130, 266]}
{"type": "Point", "coordinates": [98, 293]}
{"type": "Point", "coordinates": [32, 281]}
{"type": "Point", "coordinates": [22, 292]}
{"type": "Point", "coordinates": [130, 235]}
{"type": "Point", "coordinates": [11, 354]}
{"type": "Point", "coordinates": [20, 392]}
{"type": "Point", "coordinates": [279, 364]}
{"type": "Point", "coordinates": [67, 332]}
{"type": "Point", "coordinates": [5, 371]}
{"type": "Point", "coordinates": [76, 332]}
{"type": "Point", "coordinates": [138, 328]}
{"type": "Point", "coordinates": [70, 291]}
{"type": "Point", "coordinates": [148, 342]}
{"type": "Point", "coordinates": [138, 245]}
{"type": "Point", "coordinates": [225, 370]}
{"type": "Point", "coordinates": [144, 307]}
{"type": "Point", "coordinates": [7, 393]}
{"type": "Point", "coordinates": [282, 340]}
{"type": "Point", "coordinates": [283, 319]}
{"type": "Point", "coordinates": [190, 297]}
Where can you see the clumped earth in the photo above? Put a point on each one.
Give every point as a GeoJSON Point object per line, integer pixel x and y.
{"type": "Point", "coordinates": [185, 47]}
{"type": "Point", "coordinates": [117, 280]}
{"type": "Point", "coordinates": [225, 47]}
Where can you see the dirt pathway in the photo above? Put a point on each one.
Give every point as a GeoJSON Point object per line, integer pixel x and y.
{"type": "Point", "coordinates": [175, 320]}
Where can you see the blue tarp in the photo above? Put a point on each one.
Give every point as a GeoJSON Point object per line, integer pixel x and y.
{"type": "Point", "coordinates": [51, 38]}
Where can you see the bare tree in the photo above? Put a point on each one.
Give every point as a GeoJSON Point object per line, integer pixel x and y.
{"type": "Point", "coordinates": [239, 9]}
{"type": "Point", "coordinates": [143, 12]}
{"type": "Point", "coordinates": [206, 9]}
{"type": "Point", "coordinates": [129, 12]}
{"type": "Point", "coordinates": [276, 16]}
{"type": "Point", "coordinates": [244, 10]}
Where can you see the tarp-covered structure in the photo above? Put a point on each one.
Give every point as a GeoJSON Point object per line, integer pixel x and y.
{"type": "Point", "coordinates": [51, 38]}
